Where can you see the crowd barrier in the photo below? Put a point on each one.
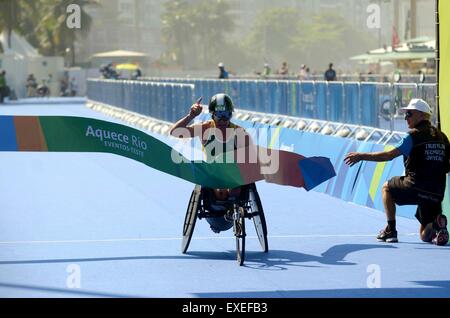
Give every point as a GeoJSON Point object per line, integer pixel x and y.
{"type": "Point", "coordinates": [358, 103]}
{"type": "Point", "coordinates": [375, 78]}
{"type": "Point", "coordinates": [165, 101]}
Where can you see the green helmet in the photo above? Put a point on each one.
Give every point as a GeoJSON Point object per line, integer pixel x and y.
{"type": "Point", "coordinates": [221, 102]}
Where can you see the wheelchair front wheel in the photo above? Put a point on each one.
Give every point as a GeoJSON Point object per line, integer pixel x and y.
{"type": "Point", "coordinates": [259, 219]}
{"type": "Point", "coordinates": [239, 232]}
{"type": "Point", "coordinates": [190, 219]}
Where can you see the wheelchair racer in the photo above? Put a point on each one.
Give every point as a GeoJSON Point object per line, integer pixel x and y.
{"type": "Point", "coordinates": [218, 135]}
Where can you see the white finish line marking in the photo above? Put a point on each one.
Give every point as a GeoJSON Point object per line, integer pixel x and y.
{"type": "Point", "coordinates": [194, 238]}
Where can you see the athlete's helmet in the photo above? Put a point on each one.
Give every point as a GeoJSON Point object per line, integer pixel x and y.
{"type": "Point", "coordinates": [220, 103]}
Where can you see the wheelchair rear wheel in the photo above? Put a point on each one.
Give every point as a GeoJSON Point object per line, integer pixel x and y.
{"type": "Point", "coordinates": [190, 219]}
{"type": "Point", "coordinates": [258, 218]}
{"type": "Point", "coordinates": [239, 232]}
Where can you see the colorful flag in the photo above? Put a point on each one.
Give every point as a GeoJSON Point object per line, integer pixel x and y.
{"type": "Point", "coordinates": [77, 134]}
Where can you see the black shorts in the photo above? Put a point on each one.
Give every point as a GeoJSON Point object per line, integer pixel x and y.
{"type": "Point", "coordinates": [429, 205]}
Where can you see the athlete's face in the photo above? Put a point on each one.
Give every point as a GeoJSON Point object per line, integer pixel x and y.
{"type": "Point", "coordinates": [222, 118]}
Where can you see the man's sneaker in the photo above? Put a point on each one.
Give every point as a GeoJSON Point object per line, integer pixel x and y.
{"type": "Point", "coordinates": [441, 234]}
{"type": "Point", "coordinates": [387, 236]}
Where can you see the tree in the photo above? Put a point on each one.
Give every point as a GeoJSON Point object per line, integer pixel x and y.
{"type": "Point", "coordinates": [43, 23]}
{"type": "Point", "coordinates": [272, 33]}
{"type": "Point", "coordinates": [176, 28]}
{"type": "Point", "coordinates": [328, 37]}
{"type": "Point", "coordinates": [286, 34]}
{"type": "Point", "coordinates": [55, 35]}
{"type": "Point", "coordinates": [195, 33]}
{"type": "Point", "coordinates": [31, 15]}
{"type": "Point", "coordinates": [10, 16]}
{"type": "Point", "coordinates": [213, 22]}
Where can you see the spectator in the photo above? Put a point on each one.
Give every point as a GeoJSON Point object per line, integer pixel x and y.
{"type": "Point", "coordinates": [266, 71]}
{"type": "Point", "coordinates": [73, 87]}
{"type": "Point", "coordinates": [370, 77]}
{"type": "Point", "coordinates": [63, 87]}
{"type": "Point", "coordinates": [43, 90]}
{"type": "Point", "coordinates": [304, 73]}
{"type": "Point", "coordinates": [361, 77]}
{"type": "Point", "coordinates": [49, 79]}
{"type": "Point", "coordinates": [137, 74]}
{"type": "Point", "coordinates": [284, 70]}
{"type": "Point", "coordinates": [223, 74]}
{"type": "Point", "coordinates": [330, 74]}
{"type": "Point", "coordinates": [108, 72]}
{"type": "Point", "coordinates": [3, 86]}
{"type": "Point", "coordinates": [31, 86]}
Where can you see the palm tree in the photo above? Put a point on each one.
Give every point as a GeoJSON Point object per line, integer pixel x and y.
{"type": "Point", "coordinates": [176, 29]}
{"type": "Point", "coordinates": [9, 17]}
{"type": "Point", "coordinates": [214, 21]}
{"type": "Point", "coordinates": [56, 36]}
{"type": "Point", "coordinates": [196, 29]}
{"type": "Point", "coordinates": [30, 17]}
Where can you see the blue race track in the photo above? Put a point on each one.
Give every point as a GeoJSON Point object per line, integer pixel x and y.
{"type": "Point", "coordinates": [117, 224]}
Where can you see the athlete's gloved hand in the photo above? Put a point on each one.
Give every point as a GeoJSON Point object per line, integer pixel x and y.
{"type": "Point", "coordinates": [196, 109]}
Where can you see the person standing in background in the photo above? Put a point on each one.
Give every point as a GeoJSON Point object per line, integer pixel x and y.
{"type": "Point", "coordinates": [2, 86]}
{"type": "Point", "coordinates": [330, 74]}
{"type": "Point", "coordinates": [284, 70]}
{"type": "Point", "coordinates": [73, 87]}
{"type": "Point", "coordinates": [223, 74]}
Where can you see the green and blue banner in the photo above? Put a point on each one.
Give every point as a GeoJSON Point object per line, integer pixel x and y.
{"type": "Point", "coordinates": [77, 134]}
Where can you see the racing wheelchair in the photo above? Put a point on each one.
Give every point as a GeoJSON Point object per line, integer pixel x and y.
{"type": "Point", "coordinates": [226, 214]}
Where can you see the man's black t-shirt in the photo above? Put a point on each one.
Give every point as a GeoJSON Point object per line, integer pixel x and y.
{"type": "Point", "coordinates": [330, 75]}
{"type": "Point", "coordinates": [428, 162]}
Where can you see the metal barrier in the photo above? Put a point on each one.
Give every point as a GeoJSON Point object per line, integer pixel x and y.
{"type": "Point", "coordinates": [323, 127]}
{"type": "Point", "coordinates": [428, 92]}
{"type": "Point", "coordinates": [164, 101]}
{"type": "Point", "coordinates": [355, 103]}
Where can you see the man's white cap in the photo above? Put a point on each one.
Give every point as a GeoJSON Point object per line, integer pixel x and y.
{"type": "Point", "coordinates": [419, 105]}
{"type": "Point", "coordinates": [220, 64]}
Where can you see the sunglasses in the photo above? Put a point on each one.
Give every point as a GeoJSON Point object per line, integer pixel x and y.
{"type": "Point", "coordinates": [222, 115]}
{"type": "Point", "coordinates": [408, 114]}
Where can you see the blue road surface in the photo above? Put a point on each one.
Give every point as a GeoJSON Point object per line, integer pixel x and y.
{"type": "Point", "coordinates": [99, 225]}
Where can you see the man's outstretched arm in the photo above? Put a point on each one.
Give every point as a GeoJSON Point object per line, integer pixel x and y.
{"type": "Point", "coordinates": [353, 158]}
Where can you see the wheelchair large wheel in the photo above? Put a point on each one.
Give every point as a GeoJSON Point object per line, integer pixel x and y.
{"type": "Point", "coordinates": [258, 218]}
{"type": "Point", "coordinates": [190, 219]}
{"type": "Point", "coordinates": [239, 232]}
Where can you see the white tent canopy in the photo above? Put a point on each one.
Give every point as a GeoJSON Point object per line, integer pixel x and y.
{"type": "Point", "coordinates": [19, 45]}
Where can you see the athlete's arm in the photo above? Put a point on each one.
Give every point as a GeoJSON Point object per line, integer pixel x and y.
{"type": "Point", "coordinates": [181, 128]}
